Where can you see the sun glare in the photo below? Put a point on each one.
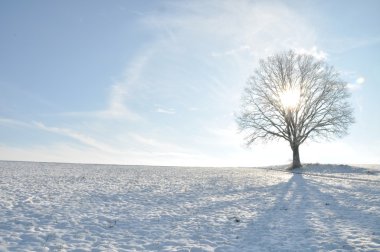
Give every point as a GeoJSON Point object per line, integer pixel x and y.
{"type": "Point", "coordinates": [290, 98]}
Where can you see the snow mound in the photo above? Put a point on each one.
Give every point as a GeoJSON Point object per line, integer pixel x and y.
{"type": "Point", "coordinates": [329, 168]}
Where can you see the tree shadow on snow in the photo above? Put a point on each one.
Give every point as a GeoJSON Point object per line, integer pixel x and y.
{"type": "Point", "coordinates": [304, 217]}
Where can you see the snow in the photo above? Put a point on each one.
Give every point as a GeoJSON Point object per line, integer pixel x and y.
{"type": "Point", "coordinates": [77, 207]}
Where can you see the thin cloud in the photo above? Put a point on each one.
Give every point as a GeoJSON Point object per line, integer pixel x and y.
{"type": "Point", "coordinates": [358, 84]}
{"type": "Point", "coordinates": [119, 93]}
{"type": "Point", "coordinates": [13, 122]}
{"type": "Point", "coordinates": [360, 80]}
{"type": "Point", "coordinates": [313, 51]}
{"type": "Point", "coordinates": [148, 151]}
{"type": "Point", "coordinates": [225, 39]}
{"type": "Point", "coordinates": [165, 111]}
{"type": "Point", "coordinates": [247, 27]}
{"type": "Point", "coordinates": [82, 138]}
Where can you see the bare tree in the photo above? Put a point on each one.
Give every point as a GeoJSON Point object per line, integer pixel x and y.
{"type": "Point", "coordinates": [294, 97]}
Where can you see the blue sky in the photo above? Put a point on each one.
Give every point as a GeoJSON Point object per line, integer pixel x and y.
{"type": "Point", "coordinates": [158, 82]}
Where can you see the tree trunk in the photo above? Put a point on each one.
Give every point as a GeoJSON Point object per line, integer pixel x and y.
{"type": "Point", "coordinates": [296, 157]}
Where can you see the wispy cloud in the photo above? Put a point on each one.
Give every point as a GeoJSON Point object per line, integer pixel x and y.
{"type": "Point", "coordinates": [235, 27]}
{"type": "Point", "coordinates": [360, 80]}
{"type": "Point", "coordinates": [13, 122]}
{"type": "Point", "coordinates": [191, 31]}
{"type": "Point", "coordinates": [140, 149]}
{"type": "Point", "coordinates": [215, 45]}
{"type": "Point", "coordinates": [358, 84]}
{"type": "Point", "coordinates": [163, 110]}
{"type": "Point", "coordinates": [82, 138]}
{"type": "Point", "coordinates": [313, 51]}
{"type": "Point", "coordinates": [69, 153]}
{"type": "Point", "coordinates": [120, 91]}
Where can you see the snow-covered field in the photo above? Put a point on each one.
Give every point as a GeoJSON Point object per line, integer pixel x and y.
{"type": "Point", "coordinates": [71, 207]}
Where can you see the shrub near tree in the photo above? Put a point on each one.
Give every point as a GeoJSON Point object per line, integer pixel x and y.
{"type": "Point", "coordinates": [294, 97]}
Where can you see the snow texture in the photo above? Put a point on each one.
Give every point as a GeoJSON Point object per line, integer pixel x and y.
{"type": "Point", "coordinates": [72, 207]}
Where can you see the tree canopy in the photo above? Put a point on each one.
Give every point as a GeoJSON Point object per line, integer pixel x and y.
{"type": "Point", "coordinates": [294, 97]}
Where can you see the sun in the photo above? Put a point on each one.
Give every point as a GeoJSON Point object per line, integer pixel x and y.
{"type": "Point", "coordinates": [290, 98]}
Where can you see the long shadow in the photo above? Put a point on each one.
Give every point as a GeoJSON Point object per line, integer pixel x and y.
{"type": "Point", "coordinates": [280, 225]}
{"type": "Point", "coordinates": [303, 218]}
{"type": "Point", "coordinates": [353, 218]}
{"type": "Point", "coordinates": [358, 197]}
{"type": "Point", "coordinates": [356, 208]}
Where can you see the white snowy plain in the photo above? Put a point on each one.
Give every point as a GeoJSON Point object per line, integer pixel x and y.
{"type": "Point", "coordinates": [76, 207]}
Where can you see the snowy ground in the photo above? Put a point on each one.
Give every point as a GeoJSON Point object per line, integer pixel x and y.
{"type": "Point", "coordinates": [67, 207]}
